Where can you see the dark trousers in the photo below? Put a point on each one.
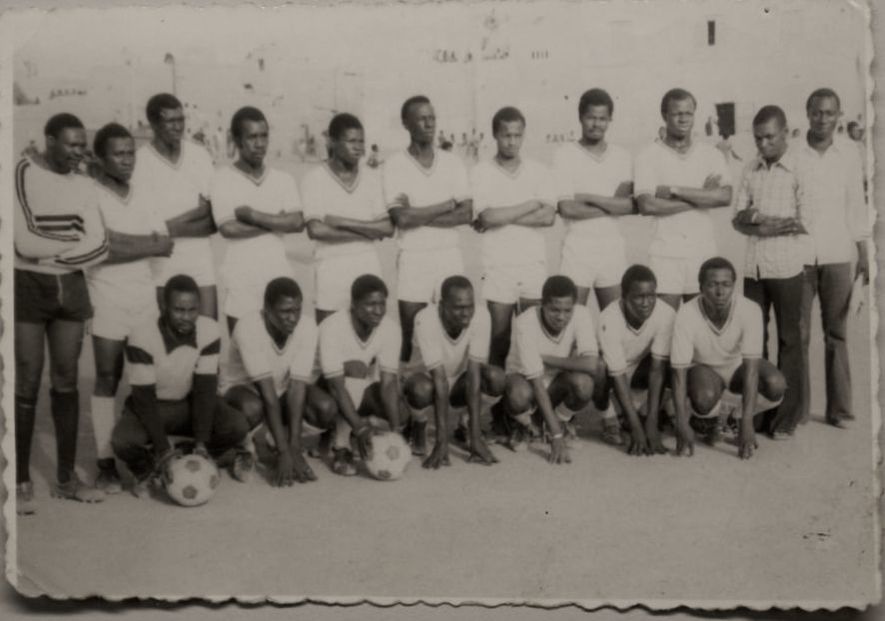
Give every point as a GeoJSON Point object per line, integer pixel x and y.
{"type": "Point", "coordinates": [832, 283]}
{"type": "Point", "coordinates": [783, 295]}
{"type": "Point", "coordinates": [130, 439]}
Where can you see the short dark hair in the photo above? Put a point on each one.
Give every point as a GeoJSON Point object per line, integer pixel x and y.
{"type": "Point", "coordinates": [558, 286]}
{"type": "Point", "coordinates": [822, 93]}
{"type": "Point", "coordinates": [340, 123]}
{"type": "Point", "coordinates": [365, 285]}
{"type": "Point", "coordinates": [595, 97]}
{"type": "Point", "coordinates": [715, 263]}
{"type": "Point", "coordinates": [454, 282]}
{"type": "Point", "coordinates": [246, 113]}
{"type": "Point", "coordinates": [60, 122]}
{"type": "Point", "coordinates": [282, 287]}
{"type": "Point", "coordinates": [636, 273]}
{"type": "Point", "coordinates": [160, 102]}
{"type": "Point", "coordinates": [852, 125]}
{"type": "Point", "coordinates": [412, 101]}
{"type": "Point", "coordinates": [104, 135]}
{"type": "Point", "coordinates": [507, 114]}
{"type": "Point", "coordinates": [180, 283]}
{"type": "Point", "coordinates": [676, 94]}
{"type": "Point", "coordinates": [767, 113]}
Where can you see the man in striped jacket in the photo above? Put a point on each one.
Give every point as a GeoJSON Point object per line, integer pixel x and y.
{"type": "Point", "coordinates": [58, 232]}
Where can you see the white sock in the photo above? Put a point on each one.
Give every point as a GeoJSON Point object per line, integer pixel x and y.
{"type": "Point", "coordinates": [487, 401]}
{"type": "Point", "coordinates": [565, 413]}
{"type": "Point", "coordinates": [342, 434]}
{"type": "Point", "coordinates": [422, 415]}
{"type": "Point", "coordinates": [103, 420]}
{"type": "Point", "coordinates": [610, 416]}
{"type": "Point", "coordinates": [525, 418]}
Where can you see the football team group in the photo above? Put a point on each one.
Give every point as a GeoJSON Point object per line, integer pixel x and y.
{"type": "Point", "coordinates": [674, 350]}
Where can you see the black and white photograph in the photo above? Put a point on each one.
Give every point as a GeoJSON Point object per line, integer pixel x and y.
{"type": "Point", "coordinates": [540, 303]}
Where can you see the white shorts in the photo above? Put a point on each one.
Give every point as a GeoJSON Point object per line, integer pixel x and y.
{"type": "Point", "coordinates": [115, 322]}
{"type": "Point", "coordinates": [506, 284]}
{"type": "Point", "coordinates": [422, 273]}
{"type": "Point", "coordinates": [676, 275]}
{"type": "Point", "coordinates": [244, 296]}
{"type": "Point", "coordinates": [190, 256]}
{"type": "Point", "coordinates": [333, 277]}
{"type": "Point", "coordinates": [595, 268]}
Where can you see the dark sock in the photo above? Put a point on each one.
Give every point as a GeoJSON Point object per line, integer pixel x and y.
{"type": "Point", "coordinates": [66, 416]}
{"type": "Point", "coordinates": [25, 414]}
{"type": "Point", "coordinates": [107, 464]}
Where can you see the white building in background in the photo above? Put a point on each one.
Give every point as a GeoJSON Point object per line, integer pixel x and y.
{"type": "Point", "coordinates": [470, 60]}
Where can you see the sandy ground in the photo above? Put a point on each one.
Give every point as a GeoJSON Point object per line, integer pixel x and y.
{"type": "Point", "coordinates": [795, 523]}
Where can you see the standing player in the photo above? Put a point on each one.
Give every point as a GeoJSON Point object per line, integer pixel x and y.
{"type": "Point", "coordinates": [254, 206]}
{"type": "Point", "coordinates": [428, 196]}
{"type": "Point", "coordinates": [717, 346]}
{"type": "Point", "coordinates": [344, 209]}
{"type": "Point", "coordinates": [121, 288]}
{"type": "Point", "coordinates": [678, 180]}
{"type": "Point", "coordinates": [513, 196]}
{"type": "Point", "coordinates": [58, 232]}
{"type": "Point", "coordinates": [269, 378]}
{"type": "Point", "coordinates": [452, 343]}
{"type": "Point", "coordinates": [173, 371]}
{"type": "Point", "coordinates": [177, 174]}
{"type": "Point", "coordinates": [595, 185]}
{"type": "Point", "coordinates": [635, 336]}
{"type": "Point", "coordinates": [551, 364]}
{"type": "Point", "coordinates": [769, 210]}
{"type": "Point", "coordinates": [359, 350]}
{"type": "Point", "coordinates": [832, 170]}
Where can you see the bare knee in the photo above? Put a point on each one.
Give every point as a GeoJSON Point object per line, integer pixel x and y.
{"type": "Point", "coordinates": [773, 386]}
{"type": "Point", "coordinates": [518, 394]}
{"type": "Point", "coordinates": [580, 386]}
{"type": "Point", "coordinates": [704, 397]}
{"type": "Point", "coordinates": [323, 409]}
{"type": "Point", "coordinates": [419, 391]}
{"type": "Point", "coordinates": [493, 380]}
{"type": "Point", "coordinates": [106, 384]}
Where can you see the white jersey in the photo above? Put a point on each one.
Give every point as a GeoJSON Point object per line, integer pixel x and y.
{"type": "Point", "coordinates": [445, 180]}
{"type": "Point", "coordinates": [262, 256]}
{"type": "Point", "coordinates": [254, 355]}
{"type": "Point", "coordinates": [580, 171]}
{"type": "Point", "coordinates": [433, 347]}
{"type": "Point", "coordinates": [689, 233]}
{"type": "Point", "coordinates": [696, 340]}
{"type": "Point", "coordinates": [494, 186]}
{"type": "Point", "coordinates": [129, 284]}
{"type": "Point", "coordinates": [173, 189]}
{"type": "Point", "coordinates": [623, 347]}
{"type": "Point", "coordinates": [325, 194]}
{"type": "Point", "coordinates": [530, 340]}
{"type": "Point", "coordinates": [339, 343]}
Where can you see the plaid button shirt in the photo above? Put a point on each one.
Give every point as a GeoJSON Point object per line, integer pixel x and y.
{"type": "Point", "coordinates": [775, 191]}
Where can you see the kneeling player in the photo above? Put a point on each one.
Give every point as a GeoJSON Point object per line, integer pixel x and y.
{"type": "Point", "coordinates": [552, 362]}
{"type": "Point", "coordinates": [359, 357]}
{"type": "Point", "coordinates": [717, 346]}
{"type": "Point", "coordinates": [452, 342]}
{"type": "Point", "coordinates": [173, 371]}
{"type": "Point", "coordinates": [635, 335]}
{"type": "Point", "coordinates": [269, 379]}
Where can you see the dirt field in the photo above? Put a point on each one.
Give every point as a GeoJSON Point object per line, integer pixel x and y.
{"type": "Point", "coordinates": [795, 523]}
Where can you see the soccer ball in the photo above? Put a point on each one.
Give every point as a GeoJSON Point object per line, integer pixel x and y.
{"type": "Point", "coordinates": [192, 480]}
{"type": "Point", "coordinates": [390, 456]}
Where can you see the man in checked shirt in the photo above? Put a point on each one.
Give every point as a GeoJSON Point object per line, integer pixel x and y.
{"type": "Point", "coordinates": [770, 212]}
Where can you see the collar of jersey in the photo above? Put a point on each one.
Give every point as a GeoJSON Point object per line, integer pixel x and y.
{"type": "Point", "coordinates": [173, 165]}
{"type": "Point", "coordinates": [710, 323]}
{"type": "Point", "coordinates": [511, 175]}
{"type": "Point", "coordinates": [641, 327]}
{"type": "Point", "coordinates": [669, 149]}
{"type": "Point", "coordinates": [273, 341]}
{"type": "Point", "coordinates": [596, 158]}
{"type": "Point", "coordinates": [254, 181]}
{"type": "Point", "coordinates": [427, 171]}
{"type": "Point", "coordinates": [172, 341]}
{"type": "Point", "coordinates": [558, 338]}
{"type": "Point", "coordinates": [457, 339]}
{"type": "Point", "coordinates": [363, 344]}
{"type": "Point", "coordinates": [122, 199]}
{"type": "Point", "coordinates": [356, 180]}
